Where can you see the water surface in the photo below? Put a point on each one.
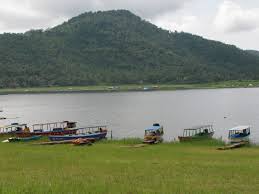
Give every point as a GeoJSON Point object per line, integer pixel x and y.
{"type": "Point", "coordinates": [129, 113]}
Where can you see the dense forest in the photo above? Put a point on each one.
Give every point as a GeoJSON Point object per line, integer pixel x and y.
{"type": "Point", "coordinates": [117, 47]}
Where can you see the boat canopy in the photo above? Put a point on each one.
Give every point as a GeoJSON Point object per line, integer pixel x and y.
{"type": "Point", "coordinates": [239, 128]}
{"type": "Point", "coordinates": [54, 125]}
{"type": "Point", "coordinates": [91, 129]}
{"type": "Point", "coordinates": [199, 127]}
{"type": "Point", "coordinates": [198, 130]}
{"type": "Point", "coordinates": [15, 125]}
{"type": "Point", "coordinates": [153, 128]}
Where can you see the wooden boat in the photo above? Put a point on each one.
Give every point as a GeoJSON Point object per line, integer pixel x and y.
{"type": "Point", "coordinates": [25, 139]}
{"type": "Point", "coordinates": [154, 134]}
{"type": "Point", "coordinates": [95, 132]}
{"type": "Point", "coordinates": [46, 129]}
{"type": "Point", "coordinates": [239, 134]}
{"type": "Point", "coordinates": [197, 133]}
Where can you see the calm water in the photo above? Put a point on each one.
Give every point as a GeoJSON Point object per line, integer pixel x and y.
{"type": "Point", "coordinates": [129, 113]}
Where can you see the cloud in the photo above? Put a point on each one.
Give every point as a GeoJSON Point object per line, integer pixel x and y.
{"type": "Point", "coordinates": [145, 8]}
{"type": "Point", "coordinates": [172, 21]}
{"type": "Point", "coordinates": [231, 17]}
{"type": "Point", "coordinates": [21, 15]}
{"type": "Point", "coordinates": [17, 16]}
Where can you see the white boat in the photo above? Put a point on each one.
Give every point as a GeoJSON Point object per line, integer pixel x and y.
{"type": "Point", "coordinates": [239, 134]}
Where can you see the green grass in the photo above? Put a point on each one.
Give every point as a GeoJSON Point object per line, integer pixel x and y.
{"type": "Point", "coordinates": [139, 87]}
{"type": "Point", "coordinates": [107, 167]}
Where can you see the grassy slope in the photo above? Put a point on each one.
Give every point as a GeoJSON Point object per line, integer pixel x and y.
{"type": "Point", "coordinates": [105, 88]}
{"type": "Point", "coordinates": [109, 168]}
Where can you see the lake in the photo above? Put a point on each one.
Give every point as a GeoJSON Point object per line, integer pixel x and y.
{"type": "Point", "coordinates": [129, 113]}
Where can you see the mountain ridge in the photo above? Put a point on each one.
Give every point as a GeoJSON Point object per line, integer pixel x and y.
{"type": "Point", "coordinates": [253, 52]}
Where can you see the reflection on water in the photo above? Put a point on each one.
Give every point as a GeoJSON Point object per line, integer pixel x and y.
{"type": "Point", "coordinates": [129, 113]}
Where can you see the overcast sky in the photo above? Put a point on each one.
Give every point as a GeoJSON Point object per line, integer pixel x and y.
{"type": "Point", "coordinates": [231, 21]}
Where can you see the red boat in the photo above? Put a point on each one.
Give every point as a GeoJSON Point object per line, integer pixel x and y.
{"type": "Point", "coordinates": [46, 129]}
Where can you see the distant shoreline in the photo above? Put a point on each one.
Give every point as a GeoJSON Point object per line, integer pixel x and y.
{"type": "Point", "coordinates": [130, 88]}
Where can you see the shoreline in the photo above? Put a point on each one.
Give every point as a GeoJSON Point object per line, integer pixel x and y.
{"type": "Point", "coordinates": [129, 88]}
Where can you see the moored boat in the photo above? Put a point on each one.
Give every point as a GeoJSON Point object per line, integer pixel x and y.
{"type": "Point", "coordinates": [239, 134]}
{"type": "Point", "coordinates": [196, 133]}
{"type": "Point", "coordinates": [154, 134]}
{"type": "Point", "coordinates": [95, 132]}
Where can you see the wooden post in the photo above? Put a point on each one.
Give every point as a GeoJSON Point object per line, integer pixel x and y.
{"type": "Point", "coordinates": [111, 134]}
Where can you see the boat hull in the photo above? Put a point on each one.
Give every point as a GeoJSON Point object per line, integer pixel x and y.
{"type": "Point", "coordinates": [239, 139]}
{"type": "Point", "coordinates": [47, 133]}
{"type": "Point", "coordinates": [96, 136]}
{"type": "Point", "coordinates": [25, 139]}
{"type": "Point", "coordinates": [191, 138]}
{"type": "Point", "coordinates": [153, 139]}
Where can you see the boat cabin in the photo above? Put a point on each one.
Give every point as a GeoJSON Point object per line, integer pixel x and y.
{"type": "Point", "coordinates": [203, 131]}
{"type": "Point", "coordinates": [239, 133]}
{"type": "Point", "coordinates": [55, 127]}
{"type": "Point", "coordinates": [154, 134]}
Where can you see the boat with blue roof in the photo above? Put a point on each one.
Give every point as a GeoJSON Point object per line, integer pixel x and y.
{"type": "Point", "coordinates": [154, 134]}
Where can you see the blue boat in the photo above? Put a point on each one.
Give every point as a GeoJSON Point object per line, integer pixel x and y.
{"type": "Point", "coordinates": [96, 132]}
{"type": "Point", "coordinates": [239, 134]}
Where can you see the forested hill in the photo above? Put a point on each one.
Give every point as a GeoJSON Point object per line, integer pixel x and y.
{"type": "Point", "coordinates": [117, 47]}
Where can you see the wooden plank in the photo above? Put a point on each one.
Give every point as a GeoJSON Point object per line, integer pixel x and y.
{"type": "Point", "coordinates": [63, 142]}
{"type": "Point", "coordinates": [233, 146]}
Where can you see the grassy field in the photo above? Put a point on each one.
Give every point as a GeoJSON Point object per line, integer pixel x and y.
{"type": "Point", "coordinates": [107, 167]}
{"type": "Point", "coordinates": [148, 87]}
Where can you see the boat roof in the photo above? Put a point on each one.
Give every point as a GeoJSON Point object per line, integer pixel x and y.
{"type": "Point", "coordinates": [54, 123]}
{"type": "Point", "coordinates": [153, 128]}
{"type": "Point", "coordinates": [199, 127]}
{"type": "Point", "coordinates": [15, 125]}
{"type": "Point", "coordinates": [93, 127]}
{"type": "Point", "coordinates": [240, 128]}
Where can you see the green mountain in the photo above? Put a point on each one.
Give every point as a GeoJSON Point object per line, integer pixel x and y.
{"type": "Point", "coordinates": [117, 47]}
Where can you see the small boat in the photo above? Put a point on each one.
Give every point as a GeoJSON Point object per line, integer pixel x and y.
{"type": "Point", "coordinates": [239, 134]}
{"type": "Point", "coordinates": [46, 129]}
{"type": "Point", "coordinates": [25, 139]}
{"type": "Point", "coordinates": [199, 132]}
{"type": "Point", "coordinates": [95, 132]}
{"type": "Point", "coordinates": [154, 134]}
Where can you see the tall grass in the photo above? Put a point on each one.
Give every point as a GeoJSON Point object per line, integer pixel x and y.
{"type": "Point", "coordinates": [108, 167]}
